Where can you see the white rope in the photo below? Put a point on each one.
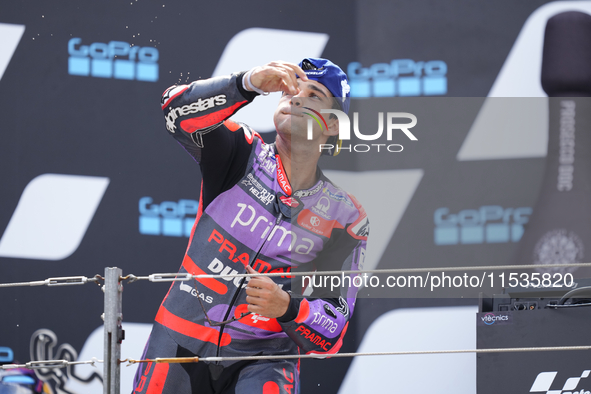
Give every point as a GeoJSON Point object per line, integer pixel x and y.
{"type": "Point", "coordinates": [94, 360]}
{"type": "Point", "coordinates": [62, 281]}
{"type": "Point", "coordinates": [50, 364]}
{"type": "Point", "coordinates": [178, 277]}
{"type": "Point", "coordinates": [323, 356]}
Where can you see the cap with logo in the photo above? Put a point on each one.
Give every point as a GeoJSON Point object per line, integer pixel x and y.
{"type": "Point", "coordinates": [335, 80]}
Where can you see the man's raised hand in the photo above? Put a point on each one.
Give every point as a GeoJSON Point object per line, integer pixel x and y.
{"type": "Point", "coordinates": [277, 76]}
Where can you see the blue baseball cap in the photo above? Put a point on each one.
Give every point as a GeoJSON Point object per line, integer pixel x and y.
{"type": "Point", "coordinates": [331, 76]}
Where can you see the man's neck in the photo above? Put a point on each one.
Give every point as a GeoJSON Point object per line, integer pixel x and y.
{"type": "Point", "coordinates": [299, 164]}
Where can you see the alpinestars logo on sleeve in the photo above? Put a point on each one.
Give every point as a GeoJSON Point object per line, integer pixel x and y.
{"type": "Point", "coordinates": [193, 108]}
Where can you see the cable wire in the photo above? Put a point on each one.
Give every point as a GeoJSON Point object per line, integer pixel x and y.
{"type": "Point", "coordinates": [61, 281]}
{"type": "Point", "coordinates": [576, 293]}
{"type": "Point", "coordinates": [50, 364]}
{"type": "Point", "coordinates": [179, 277]}
{"type": "Point", "coordinates": [177, 360]}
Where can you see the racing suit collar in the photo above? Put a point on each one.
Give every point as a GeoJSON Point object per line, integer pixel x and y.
{"type": "Point", "coordinates": [282, 177]}
{"type": "Point", "coordinates": [283, 180]}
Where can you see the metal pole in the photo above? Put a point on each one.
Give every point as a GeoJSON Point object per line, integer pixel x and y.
{"type": "Point", "coordinates": [114, 334]}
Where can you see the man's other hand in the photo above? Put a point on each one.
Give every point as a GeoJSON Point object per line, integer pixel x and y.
{"type": "Point", "coordinates": [265, 297]}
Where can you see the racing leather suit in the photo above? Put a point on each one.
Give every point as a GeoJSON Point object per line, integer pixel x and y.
{"type": "Point", "coordinates": [249, 215]}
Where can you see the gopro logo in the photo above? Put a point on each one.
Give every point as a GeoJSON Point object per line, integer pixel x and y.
{"type": "Point", "coordinates": [169, 218]}
{"type": "Point", "coordinates": [117, 59]}
{"type": "Point", "coordinates": [400, 77]}
{"type": "Point", "coordinates": [487, 224]}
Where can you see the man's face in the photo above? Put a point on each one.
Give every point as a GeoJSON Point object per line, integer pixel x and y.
{"type": "Point", "coordinates": [290, 116]}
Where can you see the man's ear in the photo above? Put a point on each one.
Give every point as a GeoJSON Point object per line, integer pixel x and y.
{"type": "Point", "coordinates": [333, 126]}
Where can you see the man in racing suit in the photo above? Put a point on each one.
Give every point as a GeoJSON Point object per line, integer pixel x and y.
{"type": "Point", "coordinates": [263, 208]}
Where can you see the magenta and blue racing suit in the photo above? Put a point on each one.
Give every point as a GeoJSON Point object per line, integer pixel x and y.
{"type": "Point", "coordinates": [249, 215]}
